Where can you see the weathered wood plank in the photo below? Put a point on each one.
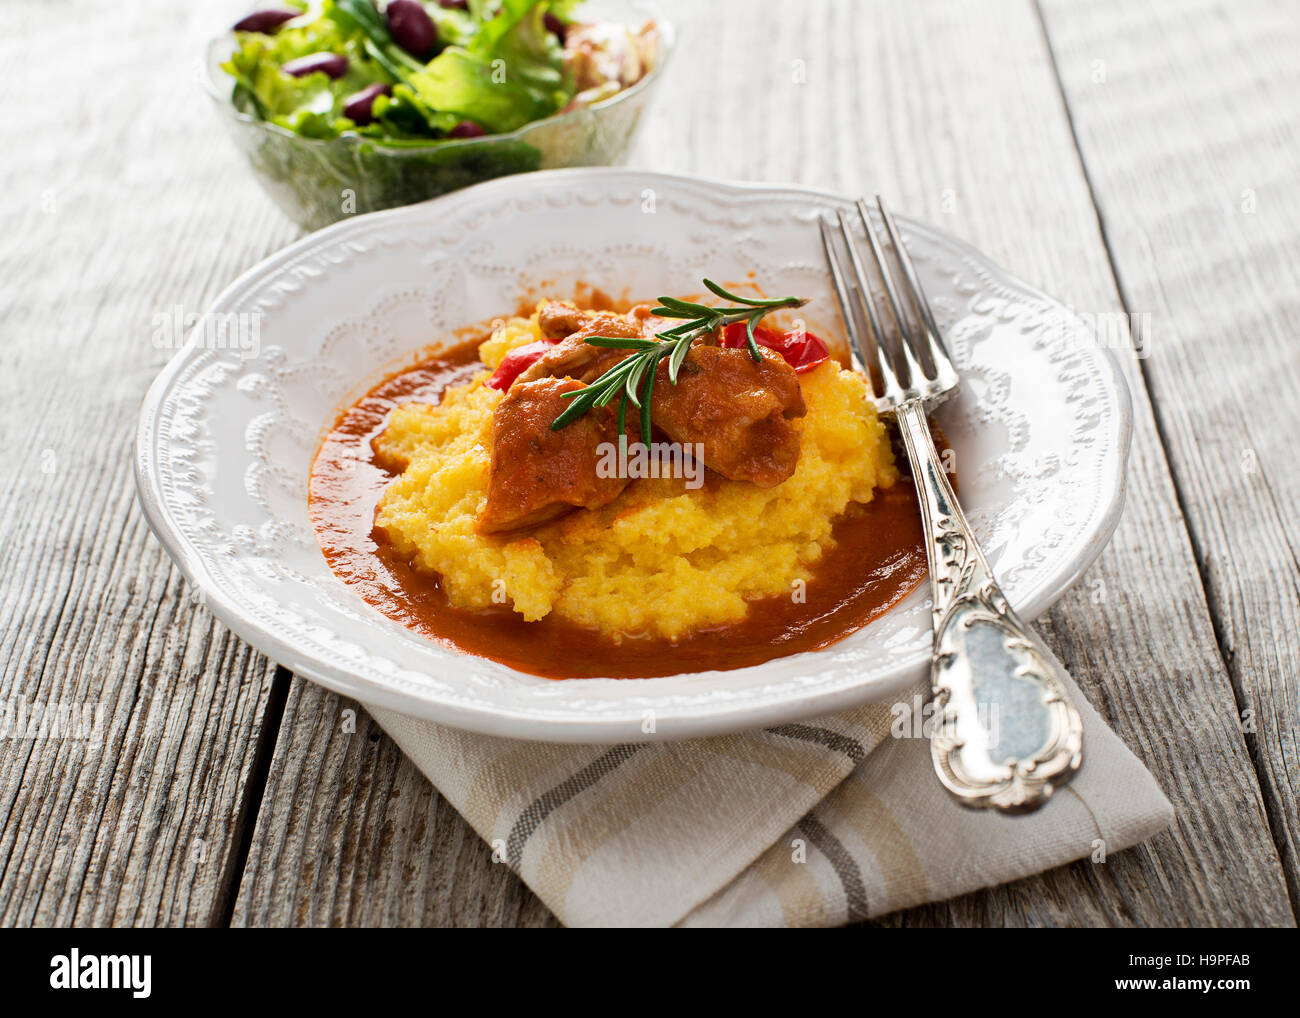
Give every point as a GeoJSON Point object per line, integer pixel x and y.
{"type": "Point", "coordinates": [144, 827]}
{"type": "Point", "coordinates": [984, 129]}
{"type": "Point", "coordinates": [1188, 120]}
{"type": "Point", "coordinates": [355, 836]}
{"type": "Point", "coordinates": [955, 113]}
{"type": "Point", "coordinates": [115, 207]}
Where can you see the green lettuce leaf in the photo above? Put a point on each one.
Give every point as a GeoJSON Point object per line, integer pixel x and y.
{"type": "Point", "coordinates": [510, 73]}
{"type": "Point", "coordinates": [499, 68]}
{"type": "Point", "coordinates": [474, 88]}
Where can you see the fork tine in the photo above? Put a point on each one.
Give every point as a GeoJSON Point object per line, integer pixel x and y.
{"type": "Point", "coordinates": [922, 303]}
{"type": "Point", "coordinates": [916, 375]}
{"type": "Point", "coordinates": [864, 288]}
{"type": "Point", "coordinates": [842, 295]}
{"type": "Point", "coordinates": [884, 356]}
{"type": "Point", "coordinates": [882, 380]}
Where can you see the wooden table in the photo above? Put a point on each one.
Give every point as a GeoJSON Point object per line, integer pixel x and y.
{"type": "Point", "coordinates": [1135, 157]}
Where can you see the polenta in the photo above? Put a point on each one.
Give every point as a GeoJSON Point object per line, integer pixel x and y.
{"type": "Point", "coordinates": [662, 558]}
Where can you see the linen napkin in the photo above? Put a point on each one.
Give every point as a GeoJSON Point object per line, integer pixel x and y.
{"type": "Point", "coordinates": [815, 823]}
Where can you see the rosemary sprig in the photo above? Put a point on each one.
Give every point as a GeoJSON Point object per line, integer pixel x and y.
{"type": "Point", "coordinates": [632, 379]}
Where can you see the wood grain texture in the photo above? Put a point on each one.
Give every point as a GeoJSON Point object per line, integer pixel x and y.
{"type": "Point", "coordinates": [355, 836]}
{"type": "Point", "coordinates": [133, 202]}
{"type": "Point", "coordinates": [983, 133]}
{"type": "Point", "coordinates": [1188, 121]}
{"type": "Point", "coordinates": [954, 112]}
{"type": "Point", "coordinates": [105, 223]}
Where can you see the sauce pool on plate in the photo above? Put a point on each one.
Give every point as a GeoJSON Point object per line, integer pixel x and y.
{"type": "Point", "coordinates": [878, 559]}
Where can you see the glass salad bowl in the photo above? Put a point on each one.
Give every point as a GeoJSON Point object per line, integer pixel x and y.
{"type": "Point", "coordinates": [316, 182]}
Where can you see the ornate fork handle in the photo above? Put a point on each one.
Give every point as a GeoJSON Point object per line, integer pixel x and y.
{"type": "Point", "coordinates": [1004, 733]}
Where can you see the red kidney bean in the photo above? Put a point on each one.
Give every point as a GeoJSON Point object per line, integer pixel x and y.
{"type": "Point", "coordinates": [555, 25]}
{"type": "Point", "coordinates": [466, 129]}
{"type": "Point", "coordinates": [411, 27]}
{"type": "Point", "coordinates": [333, 64]}
{"type": "Point", "coordinates": [266, 21]}
{"type": "Point", "coordinates": [358, 106]}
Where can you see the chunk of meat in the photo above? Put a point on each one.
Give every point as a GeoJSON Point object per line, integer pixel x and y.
{"type": "Point", "coordinates": [538, 474]}
{"type": "Point", "coordinates": [737, 409]}
{"type": "Point", "coordinates": [557, 320]}
{"type": "Point", "coordinates": [573, 357]}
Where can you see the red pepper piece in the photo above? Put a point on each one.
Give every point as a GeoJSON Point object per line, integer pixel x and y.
{"type": "Point", "coordinates": [802, 351]}
{"type": "Point", "coordinates": [515, 363]}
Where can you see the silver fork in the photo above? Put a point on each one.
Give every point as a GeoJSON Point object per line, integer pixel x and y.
{"type": "Point", "coordinates": [1004, 733]}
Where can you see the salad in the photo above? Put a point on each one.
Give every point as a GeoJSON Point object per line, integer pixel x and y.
{"type": "Point", "coordinates": [406, 72]}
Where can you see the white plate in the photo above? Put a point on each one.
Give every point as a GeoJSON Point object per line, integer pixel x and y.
{"type": "Point", "coordinates": [1040, 429]}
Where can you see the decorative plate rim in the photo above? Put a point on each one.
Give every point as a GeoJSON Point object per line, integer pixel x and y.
{"type": "Point", "coordinates": [674, 722]}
